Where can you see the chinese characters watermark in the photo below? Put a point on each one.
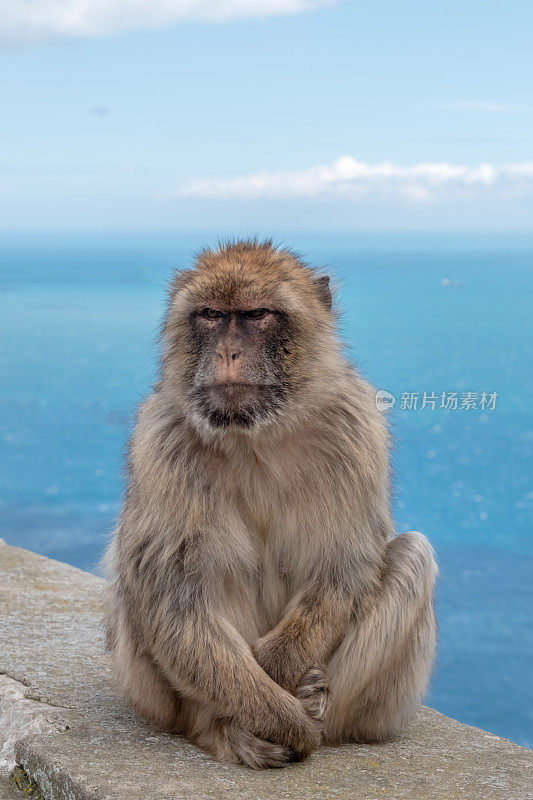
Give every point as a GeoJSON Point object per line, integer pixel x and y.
{"type": "Point", "coordinates": [450, 401]}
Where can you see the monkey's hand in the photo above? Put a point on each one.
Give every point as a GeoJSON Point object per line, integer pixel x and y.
{"type": "Point", "coordinates": [305, 637]}
{"type": "Point", "coordinates": [313, 693]}
{"type": "Point", "coordinates": [310, 687]}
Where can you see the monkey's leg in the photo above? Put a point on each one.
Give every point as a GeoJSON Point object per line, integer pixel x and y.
{"type": "Point", "coordinates": [141, 679]}
{"type": "Point", "coordinates": [381, 669]}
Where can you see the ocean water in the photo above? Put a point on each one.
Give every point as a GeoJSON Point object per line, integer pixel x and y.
{"type": "Point", "coordinates": [433, 313]}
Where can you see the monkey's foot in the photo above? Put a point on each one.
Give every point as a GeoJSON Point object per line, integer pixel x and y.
{"type": "Point", "coordinates": [313, 693]}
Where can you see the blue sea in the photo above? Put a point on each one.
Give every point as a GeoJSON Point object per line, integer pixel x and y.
{"type": "Point", "coordinates": [444, 315]}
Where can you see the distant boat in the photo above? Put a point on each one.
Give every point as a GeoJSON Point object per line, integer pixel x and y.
{"type": "Point", "coordinates": [447, 283]}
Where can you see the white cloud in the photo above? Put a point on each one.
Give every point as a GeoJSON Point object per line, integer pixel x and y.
{"type": "Point", "coordinates": [355, 179]}
{"type": "Point", "coordinates": [34, 20]}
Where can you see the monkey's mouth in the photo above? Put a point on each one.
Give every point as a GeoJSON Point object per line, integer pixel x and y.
{"type": "Point", "coordinates": [238, 403]}
{"type": "Point", "coordinates": [236, 389]}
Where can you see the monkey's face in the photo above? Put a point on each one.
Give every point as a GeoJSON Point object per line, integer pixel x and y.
{"type": "Point", "coordinates": [245, 332]}
{"type": "Point", "coordinates": [242, 374]}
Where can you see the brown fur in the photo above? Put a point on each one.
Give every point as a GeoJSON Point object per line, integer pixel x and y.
{"type": "Point", "coordinates": [260, 602]}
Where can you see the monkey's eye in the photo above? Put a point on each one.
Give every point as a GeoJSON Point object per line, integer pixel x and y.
{"type": "Point", "coordinates": [211, 313]}
{"type": "Point", "coordinates": [256, 313]}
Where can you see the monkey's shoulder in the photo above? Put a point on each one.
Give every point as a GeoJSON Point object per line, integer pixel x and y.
{"type": "Point", "coordinates": [353, 414]}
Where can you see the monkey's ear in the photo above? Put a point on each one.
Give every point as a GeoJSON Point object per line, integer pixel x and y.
{"type": "Point", "coordinates": [323, 291]}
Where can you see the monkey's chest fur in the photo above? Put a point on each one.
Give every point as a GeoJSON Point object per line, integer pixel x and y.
{"type": "Point", "coordinates": [261, 597]}
{"type": "Point", "coordinates": [267, 582]}
{"type": "Point", "coordinates": [270, 547]}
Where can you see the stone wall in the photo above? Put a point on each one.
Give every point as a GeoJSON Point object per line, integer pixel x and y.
{"type": "Point", "coordinates": [73, 738]}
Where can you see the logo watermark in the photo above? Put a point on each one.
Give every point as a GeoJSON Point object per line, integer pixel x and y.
{"type": "Point", "coordinates": [450, 401]}
{"type": "Point", "coordinates": [384, 400]}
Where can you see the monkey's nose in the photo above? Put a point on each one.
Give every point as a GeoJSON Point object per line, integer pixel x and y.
{"type": "Point", "coordinates": [228, 363]}
{"type": "Point", "coordinates": [228, 354]}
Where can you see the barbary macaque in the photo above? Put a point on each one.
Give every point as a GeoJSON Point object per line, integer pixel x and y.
{"type": "Point", "coordinates": [261, 602]}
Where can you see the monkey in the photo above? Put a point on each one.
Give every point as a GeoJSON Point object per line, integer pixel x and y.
{"type": "Point", "coordinates": [260, 601]}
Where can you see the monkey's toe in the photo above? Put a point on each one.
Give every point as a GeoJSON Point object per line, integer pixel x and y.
{"type": "Point", "coordinates": [313, 693]}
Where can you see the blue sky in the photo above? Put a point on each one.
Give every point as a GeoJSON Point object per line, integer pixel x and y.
{"type": "Point", "coordinates": [286, 114]}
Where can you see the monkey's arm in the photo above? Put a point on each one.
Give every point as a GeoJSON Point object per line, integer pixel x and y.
{"type": "Point", "coordinates": [312, 627]}
{"type": "Point", "coordinates": [316, 619]}
{"type": "Point", "coordinates": [205, 658]}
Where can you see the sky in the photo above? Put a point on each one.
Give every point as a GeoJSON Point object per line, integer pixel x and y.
{"type": "Point", "coordinates": [254, 115]}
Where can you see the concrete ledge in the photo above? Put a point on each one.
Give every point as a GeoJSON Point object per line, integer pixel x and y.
{"type": "Point", "coordinates": [64, 724]}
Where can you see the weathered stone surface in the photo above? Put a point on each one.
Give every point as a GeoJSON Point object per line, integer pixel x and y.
{"type": "Point", "coordinates": [23, 782]}
{"type": "Point", "coordinates": [76, 739]}
{"type": "Point", "coordinates": [9, 791]}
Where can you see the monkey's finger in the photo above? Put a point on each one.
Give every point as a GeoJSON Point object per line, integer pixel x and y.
{"type": "Point", "coordinates": [313, 693]}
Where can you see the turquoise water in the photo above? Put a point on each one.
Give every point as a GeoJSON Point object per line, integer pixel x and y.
{"type": "Point", "coordinates": [79, 316]}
